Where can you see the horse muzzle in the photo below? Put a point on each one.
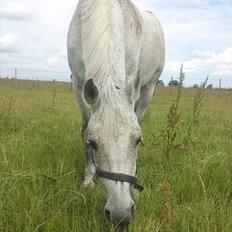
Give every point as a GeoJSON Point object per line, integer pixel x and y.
{"type": "Point", "coordinates": [120, 213]}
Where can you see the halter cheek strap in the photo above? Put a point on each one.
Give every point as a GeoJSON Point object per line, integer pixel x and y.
{"type": "Point", "coordinates": [119, 177]}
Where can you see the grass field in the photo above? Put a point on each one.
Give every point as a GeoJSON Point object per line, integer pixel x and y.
{"type": "Point", "coordinates": [42, 164]}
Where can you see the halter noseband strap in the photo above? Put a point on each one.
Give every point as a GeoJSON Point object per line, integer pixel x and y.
{"type": "Point", "coordinates": [119, 177]}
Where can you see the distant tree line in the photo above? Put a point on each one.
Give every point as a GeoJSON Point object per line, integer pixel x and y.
{"type": "Point", "coordinates": [210, 86]}
{"type": "Point", "coordinates": [173, 82]}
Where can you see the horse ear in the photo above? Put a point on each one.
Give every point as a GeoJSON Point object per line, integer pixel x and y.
{"type": "Point", "coordinates": [133, 88]}
{"type": "Point", "coordinates": [91, 92]}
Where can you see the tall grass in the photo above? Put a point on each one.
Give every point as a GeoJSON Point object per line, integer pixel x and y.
{"type": "Point", "coordinates": [42, 166]}
{"type": "Point", "coordinates": [167, 205]}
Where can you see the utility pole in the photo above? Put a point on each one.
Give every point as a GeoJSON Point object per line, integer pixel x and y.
{"type": "Point", "coordinates": [220, 83]}
{"type": "Point", "coordinates": [170, 93]}
{"type": "Point", "coordinates": [16, 77]}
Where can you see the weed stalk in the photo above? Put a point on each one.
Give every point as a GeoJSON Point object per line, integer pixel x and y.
{"type": "Point", "coordinates": [173, 118]}
{"type": "Point", "coordinates": [197, 106]}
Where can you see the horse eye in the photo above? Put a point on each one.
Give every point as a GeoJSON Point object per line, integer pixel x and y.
{"type": "Point", "coordinates": [92, 143]}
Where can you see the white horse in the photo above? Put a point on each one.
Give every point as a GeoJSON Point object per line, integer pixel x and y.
{"type": "Point", "coordinates": [116, 54]}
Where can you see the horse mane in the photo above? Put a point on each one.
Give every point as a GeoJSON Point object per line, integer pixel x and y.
{"type": "Point", "coordinates": [98, 42]}
{"type": "Point", "coordinates": [102, 25]}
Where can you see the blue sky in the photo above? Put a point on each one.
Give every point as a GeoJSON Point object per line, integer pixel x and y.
{"type": "Point", "coordinates": [198, 35]}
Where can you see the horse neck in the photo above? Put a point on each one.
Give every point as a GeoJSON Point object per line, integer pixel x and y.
{"type": "Point", "coordinates": [102, 29]}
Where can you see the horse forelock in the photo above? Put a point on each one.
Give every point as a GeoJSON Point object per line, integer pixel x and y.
{"type": "Point", "coordinates": [113, 109]}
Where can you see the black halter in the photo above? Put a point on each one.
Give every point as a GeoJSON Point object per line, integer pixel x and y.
{"type": "Point", "coordinates": [119, 177]}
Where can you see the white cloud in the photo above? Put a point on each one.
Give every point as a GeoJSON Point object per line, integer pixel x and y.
{"type": "Point", "coordinates": [219, 63]}
{"type": "Point", "coordinates": [9, 42]}
{"type": "Point", "coordinates": [52, 61]}
{"type": "Point", "coordinates": [15, 10]}
{"type": "Point", "coordinates": [203, 54]}
{"type": "Point", "coordinates": [224, 58]}
{"type": "Point", "coordinates": [189, 66]}
{"type": "Point", "coordinates": [222, 62]}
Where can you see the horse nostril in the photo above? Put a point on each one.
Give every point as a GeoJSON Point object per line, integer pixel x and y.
{"type": "Point", "coordinates": [107, 213]}
{"type": "Point", "coordinates": [133, 209]}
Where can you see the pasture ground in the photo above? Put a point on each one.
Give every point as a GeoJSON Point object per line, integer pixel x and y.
{"type": "Point", "coordinates": [42, 164]}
